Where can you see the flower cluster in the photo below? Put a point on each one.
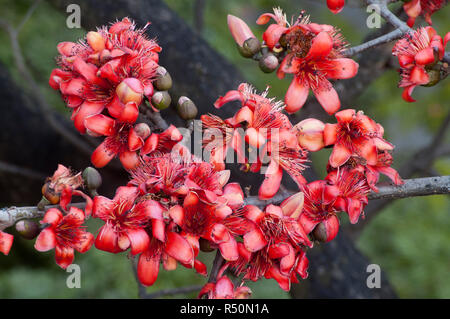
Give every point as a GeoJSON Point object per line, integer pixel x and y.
{"type": "Point", "coordinates": [312, 52]}
{"type": "Point", "coordinates": [426, 8]}
{"type": "Point", "coordinates": [261, 126]}
{"type": "Point", "coordinates": [104, 79]}
{"type": "Point", "coordinates": [419, 55]}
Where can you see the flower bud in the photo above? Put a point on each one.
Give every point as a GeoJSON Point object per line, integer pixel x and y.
{"type": "Point", "coordinates": [310, 134]}
{"type": "Point", "coordinates": [186, 108]}
{"type": "Point", "coordinates": [27, 229]}
{"type": "Point", "coordinates": [320, 233]}
{"type": "Point", "coordinates": [239, 30]}
{"type": "Point", "coordinates": [142, 130]}
{"type": "Point", "coordinates": [164, 80]}
{"type": "Point", "coordinates": [130, 90]}
{"type": "Point", "coordinates": [96, 41]}
{"type": "Point", "coordinates": [92, 178]}
{"type": "Point", "coordinates": [250, 47]}
{"type": "Point", "coordinates": [161, 100]}
{"type": "Point", "coordinates": [335, 6]}
{"type": "Point", "coordinates": [268, 63]}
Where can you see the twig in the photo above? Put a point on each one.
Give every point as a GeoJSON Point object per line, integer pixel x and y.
{"type": "Point", "coordinates": [411, 188]}
{"type": "Point", "coordinates": [154, 117]}
{"type": "Point", "coordinates": [388, 37]}
{"type": "Point", "coordinates": [217, 264]}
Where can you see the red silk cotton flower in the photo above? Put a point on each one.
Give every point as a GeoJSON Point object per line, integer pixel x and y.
{"type": "Point", "coordinates": [313, 56]}
{"type": "Point", "coordinates": [112, 68]}
{"type": "Point", "coordinates": [274, 247]}
{"type": "Point", "coordinates": [354, 134]}
{"type": "Point", "coordinates": [417, 55]}
{"type": "Point", "coordinates": [415, 8]}
{"type": "Point", "coordinates": [64, 233]}
{"type": "Point", "coordinates": [265, 129]}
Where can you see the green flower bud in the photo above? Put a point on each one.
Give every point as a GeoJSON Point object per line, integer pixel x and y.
{"type": "Point", "coordinates": [164, 80]}
{"type": "Point", "coordinates": [250, 47]}
{"type": "Point", "coordinates": [161, 100]}
{"type": "Point", "coordinates": [268, 63]}
{"type": "Point", "coordinates": [92, 178]}
{"type": "Point", "coordinates": [186, 108]}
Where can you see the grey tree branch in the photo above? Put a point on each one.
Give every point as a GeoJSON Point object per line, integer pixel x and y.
{"type": "Point", "coordinates": [391, 36]}
{"type": "Point", "coordinates": [22, 171]}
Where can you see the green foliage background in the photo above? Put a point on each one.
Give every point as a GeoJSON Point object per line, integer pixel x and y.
{"type": "Point", "coordinates": [409, 239]}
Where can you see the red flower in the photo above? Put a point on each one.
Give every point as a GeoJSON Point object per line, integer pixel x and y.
{"type": "Point", "coordinates": [417, 53]}
{"type": "Point", "coordinates": [64, 233]}
{"type": "Point", "coordinates": [199, 219]}
{"type": "Point", "coordinates": [274, 247]}
{"type": "Point", "coordinates": [335, 6]}
{"type": "Point", "coordinates": [6, 241]}
{"type": "Point", "coordinates": [414, 8]}
{"type": "Point", "coordinates": [224, 288]}
{"type": "Point", "coordinates": [354, 134]}
{"type": "Point", "coordinates": [168, 248]}
{"type": "Point", "coordinates": [113, 68]}
{"type": "Point", "coordinates": [319, 207]}
{"type": "Point", "coordinates": [265, 126]}
{"type": "Point", "coordinates": [353, 191]}
{"type": "Point", "coordinates": [382, 166]}
{"type": "Point", "coordinates": [122, 139]}
{"type": "Point", "coordinates": [314, 55]}
{"type": "Point", "coordinates": [125, 218]}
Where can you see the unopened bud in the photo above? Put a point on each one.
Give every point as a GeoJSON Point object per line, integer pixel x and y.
{"type": "Point", "coordinates": [130, 90]}
{"type": "Point", "coordinates": [250, 47]}
{"type": "Point", "coordinates": [161, 100]}
{"type": "Point", "coordinates": [142, 130]}
{"type": "Point", "coordinates": [310, 134]}
{"type": "Point", "coordinates": [164, 80]}
{"type": "Point", "coordinates": [186, 108]}
{"type": "Point", "coordinates": [239, 30]}
{"type": "Point", "coordinates": [95, 40]}
{"type": "Point", "coordinates": [320, 233]}
{"type": "Point", "coordinates": [27, 229]}
{"type": "Point", "coordinates": [92, 178]}
{"type": "Point", "coordinates": [268, 63]}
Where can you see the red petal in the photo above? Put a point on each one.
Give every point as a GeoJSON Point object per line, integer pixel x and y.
{"type": "Point", "coordinates": [139, 240]}
{"type": "Point", "coordinates": [129, 160]}
{"type": "Point", "coordinates": [321, 46]}
{"type": "Point", "coordinates": [179, 248]}
{"type": "Point", "coordinates": [224, 288]}
{"type": "Point", "coordinates": [46, 240]}
{"type": "Point", "coordinates": [159, 229]}
{"type": "Point", "coordinates": [107, 239]}
{"type": "Point", "coordinates": [229, 96]}
{"type": "Point", "coordinates": [102, 155]}
{"type": "Point", "coordinates": [233, 194]}
{"type": "Point", "coordinates": [425, 56]}
{"type": "Point", "coordinates": [343, 68]}
{"type": "Point", "coordinates": [6, 241]}
{"type": "Point", "coordinates": [100, 124]}
{"type": "Point", "coordinates": [332, 227]}
{"type": "Point", "coordinates": [148, 267]}
{"type": "Point", "coordinates": [407, 91]}
{"type": "Point", "coordinates": [328, 98]}
{"type": "Point", "coordinates": [272, 181]}
{"type": "Point", "coordinates": [86, 242]}
{"type": "Point", "coordinates": [254, 240]}
{"type": "Point", "coordinates": [64, 256]}
{"type": "Point", "coordinates": [330, 134]}
{"type": "Point", "coordinates": [52, 216]}
{"type": "Point", "coordinates": [84, 111]}
{"type": "Point", "coordinates": [229, 250]}
{"type": "Point", "coordinates": [150, 144]}
{"type": "Point", "coordinates": [340, 155]}
{"type": "Point", "coordinates": [102, 207]}
{"type": "Point", "coordinates": [296, 96]}
{"type": "Point", "coordinates": [367, 149]}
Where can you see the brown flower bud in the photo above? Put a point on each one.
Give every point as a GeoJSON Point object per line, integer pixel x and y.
{"type": "Point", "coordinates": [164, 80]}
{"type": "Point", "coordinates": [434, 76]}
{"type": "Point", "coordinates": [320, 233]}
{"type": "Point", "coordinates": [268, 63]}
{"type": "Point", "coordinates": [27, 229]}
{"type": "Point", "coordinates": [186, 108]}
{"type": "Point", "coordinates": [205, 245]}
{"type": "Point", "coordinates": [250, 47]}
{"type": "Point", "coordinates": [142, 130]}
{"type": "Point", "coordinates": [161, 100]}
{"type": "Point", "coordinates": [50, 194]}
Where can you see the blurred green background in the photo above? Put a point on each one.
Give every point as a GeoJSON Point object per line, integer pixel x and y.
{"type": "Point", "coordinates": [409, 239]}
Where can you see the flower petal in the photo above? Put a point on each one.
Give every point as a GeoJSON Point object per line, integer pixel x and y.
{"type": "Point", "coordinates": [46, 240]}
